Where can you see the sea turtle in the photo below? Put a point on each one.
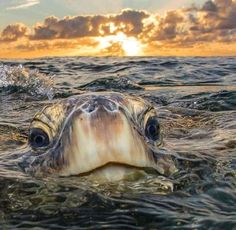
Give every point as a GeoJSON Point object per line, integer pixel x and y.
{"type": "Point", "coordinates": [101, 133]}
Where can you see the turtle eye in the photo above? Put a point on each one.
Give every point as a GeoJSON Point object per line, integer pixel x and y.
{"type": "Point", "coordinates": [152, 129]}
{"type": "Point", "coordinates": [38, 138]}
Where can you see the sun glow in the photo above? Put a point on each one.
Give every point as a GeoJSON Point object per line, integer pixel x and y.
{"type": "Point", "coordinates": [129, 45]}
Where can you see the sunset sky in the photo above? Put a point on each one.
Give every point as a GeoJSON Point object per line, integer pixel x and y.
{"type": "Point", "coordinates": [35, 28]}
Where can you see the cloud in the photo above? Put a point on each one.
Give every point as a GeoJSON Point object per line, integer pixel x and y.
{"type": "Point", "coordinates": [128, 22]}
{"type": "Point", "coordinates": [23, 4]}
{"type": "Point", "coordinates": [69, 27]}
{"type": "Point", "coordinates": [168, 26]}
{"type": "Point", "coordinates": [13, 32]}
{"type": "Point", "coordinates": [213, 22]}
{"type": "Point", "coordinates": [56, 45]}
{"type": "Point", "coordinates": [209, 6]}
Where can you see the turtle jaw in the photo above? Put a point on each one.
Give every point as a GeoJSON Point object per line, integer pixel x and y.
{"type": "Point", "coordinates": [101, 137]}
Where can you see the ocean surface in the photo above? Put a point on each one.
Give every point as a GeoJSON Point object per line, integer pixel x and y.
{"type": "Point", "coordinates": [196, 103]}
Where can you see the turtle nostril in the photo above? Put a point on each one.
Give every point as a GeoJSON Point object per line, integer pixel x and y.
{"type": "Point", "coordinates": [110, 106]}
{"type": "Point", "coordinates": [89, 107]}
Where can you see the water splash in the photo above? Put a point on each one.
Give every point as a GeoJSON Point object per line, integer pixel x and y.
{"type": "Point", "coordinates": [22, 80]}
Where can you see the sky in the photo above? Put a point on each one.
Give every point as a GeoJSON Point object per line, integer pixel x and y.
{"type": "Point", "coordinates": [35, 28]}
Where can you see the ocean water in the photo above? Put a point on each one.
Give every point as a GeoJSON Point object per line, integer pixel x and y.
{"type": "Point", "coordinates": [196, 103]}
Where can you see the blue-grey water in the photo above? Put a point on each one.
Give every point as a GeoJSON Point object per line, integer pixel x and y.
{"type": "Point", "coordinates": [196, 103]}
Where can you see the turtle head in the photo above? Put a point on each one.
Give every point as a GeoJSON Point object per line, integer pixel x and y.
{"type": "Point", "coordinates": [85, 133]}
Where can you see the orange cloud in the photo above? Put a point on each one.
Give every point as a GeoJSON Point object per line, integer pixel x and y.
{"type": "Point", "coordinates": [13, 32]}
{"type": "Point", "coordinates": [206, 30]}
{"type": "Point", "coordinates": [129, 22]}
